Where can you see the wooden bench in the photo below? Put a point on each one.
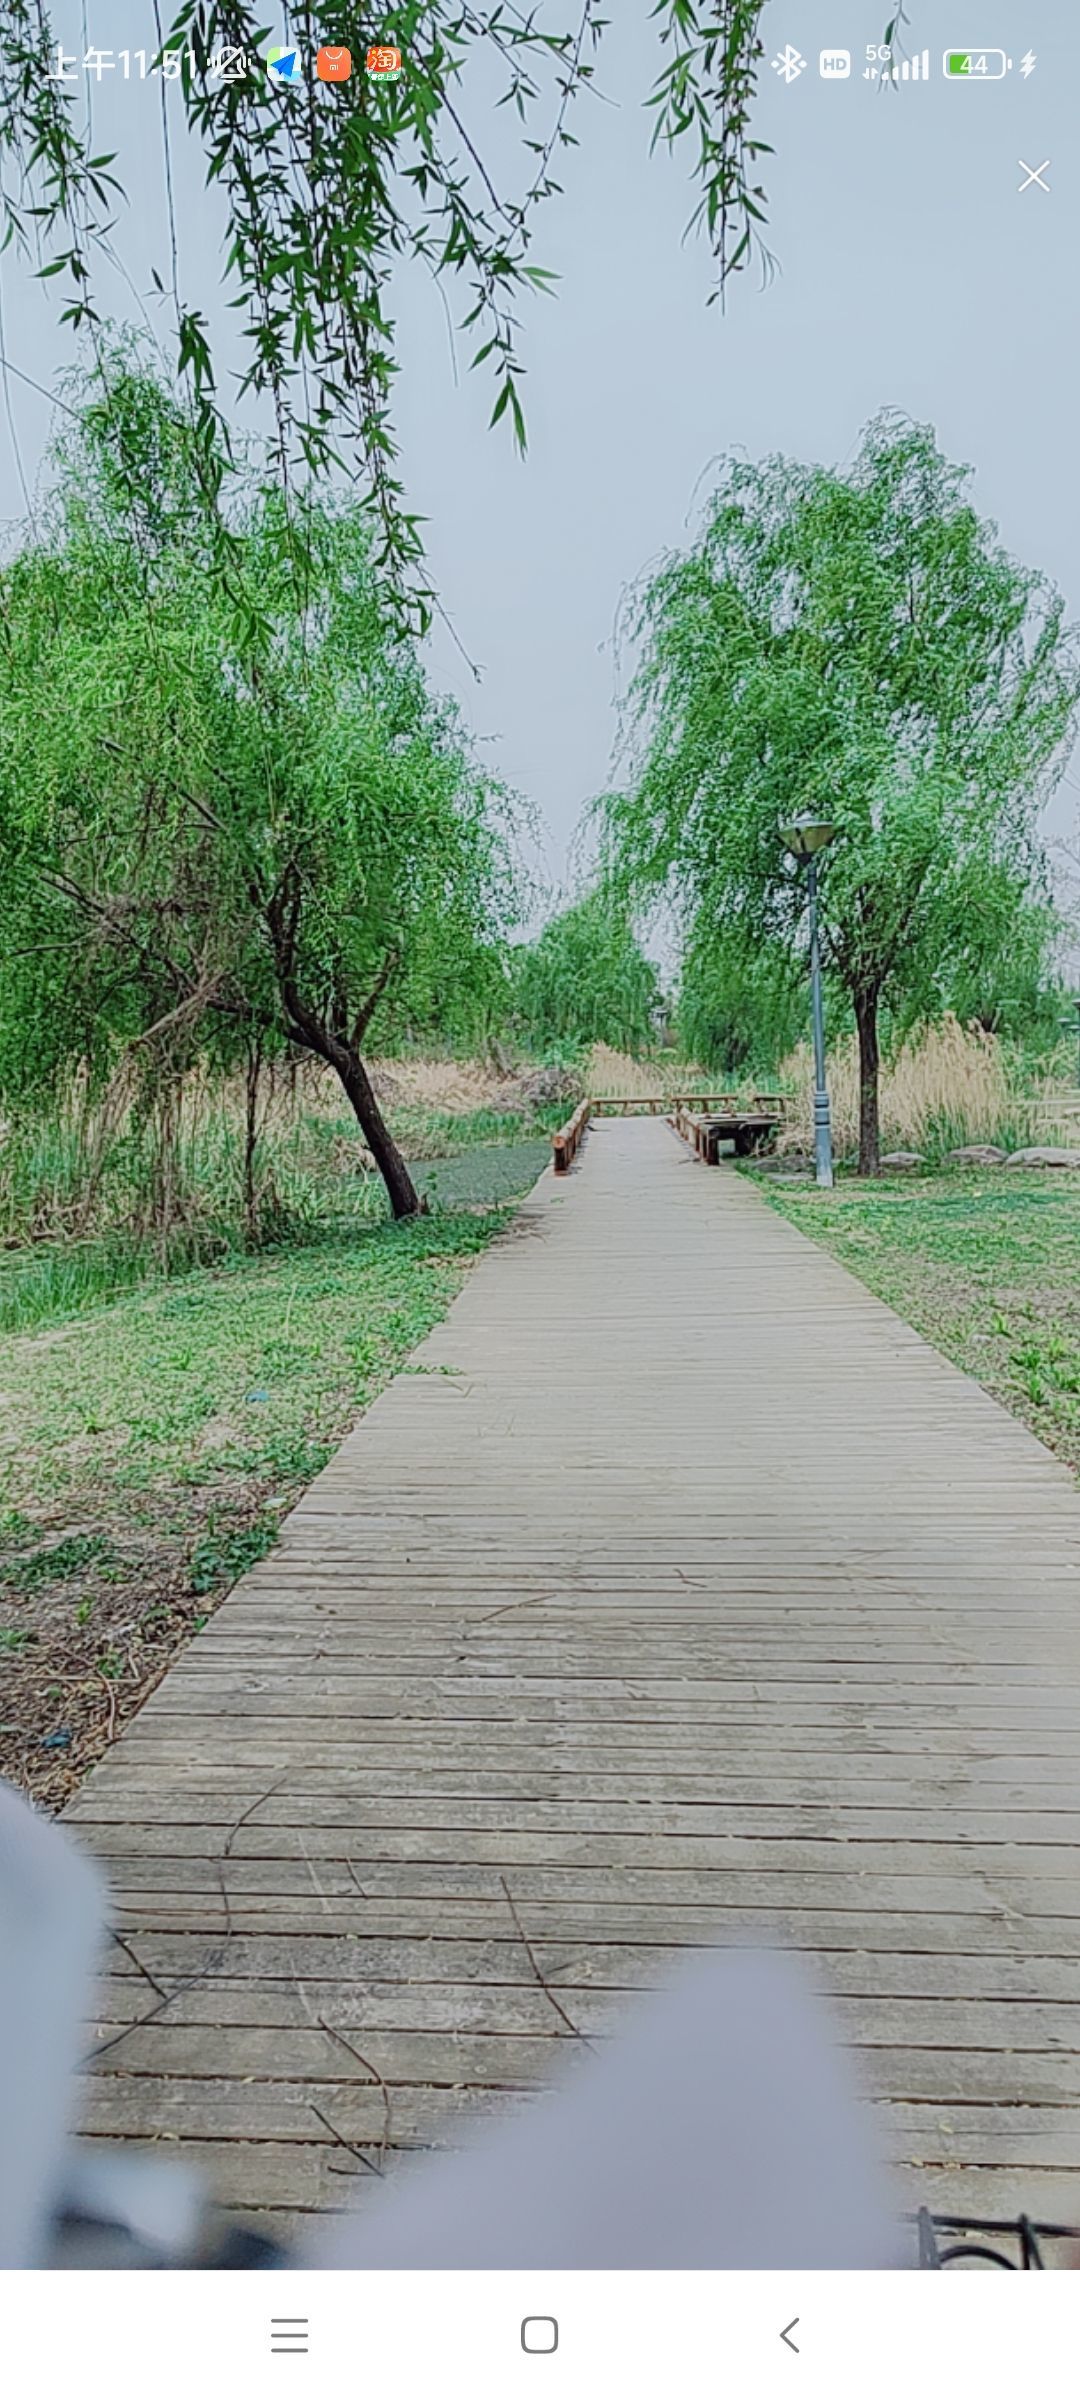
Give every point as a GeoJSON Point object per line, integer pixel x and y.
{"type": "Point", "coordinates": [750, 1129]}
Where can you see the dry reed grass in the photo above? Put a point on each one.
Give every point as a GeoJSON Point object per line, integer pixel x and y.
{"type": "Point", "coordinates": [455, 1087]}
{"type": "Point", "coordinates": [610, 1072]}
{"type": "Point", "coordinates": [167, 1160]}
{"type": "Point", "coordinates": [949, 1085]}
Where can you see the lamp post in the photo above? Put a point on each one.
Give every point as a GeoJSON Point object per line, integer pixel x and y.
{"type": "Point", "coordinates": [805, 837]}
{"type": "Point", "coordinates": [1072, 1025]}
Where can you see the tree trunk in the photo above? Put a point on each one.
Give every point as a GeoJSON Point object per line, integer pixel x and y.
{"type": "Point", "coordinates": [866, 1008]}
{"type": "Point", "coordinates": [166, 1132]}
{"type": "Point", "coordinates": [251, 1142]}
{"type": "Point", "coordinates": [312, 1032]}
{"type": "Point", "coordinates": [355, 1081]}
{"type": "Point", "coordinates": [401, 1191]}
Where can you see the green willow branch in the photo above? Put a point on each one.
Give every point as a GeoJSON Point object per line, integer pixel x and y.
{"type": "Point", "coordinates": [324, 194]}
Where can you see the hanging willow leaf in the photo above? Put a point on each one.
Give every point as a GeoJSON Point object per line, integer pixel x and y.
{"type": "Point", "coordinates": [325, 190]}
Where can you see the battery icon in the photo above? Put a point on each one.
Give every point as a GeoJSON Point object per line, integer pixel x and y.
{"type": "Point", "coordinates": [980, 66]}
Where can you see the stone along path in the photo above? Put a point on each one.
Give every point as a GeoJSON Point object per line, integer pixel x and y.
{"type": "Point", "coordinates": [677, 1589]}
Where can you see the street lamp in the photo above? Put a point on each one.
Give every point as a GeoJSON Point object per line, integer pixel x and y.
{"type": "Point", "coordinates": [805, 837]}
{"type": "Point", "coordinates": [1072, 1025]}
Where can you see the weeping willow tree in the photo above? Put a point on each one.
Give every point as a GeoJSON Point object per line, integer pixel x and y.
{"type": "Point", "coordinates": [856, 644]}
{"type": "Point", "coordinates": [741, 1002]}
{"type": "Point", "coordinates": [235, 825]}
{"type": "Point", "coordinates": [586, 979]}
{"type": "Point", "coordinates": [321, 198]}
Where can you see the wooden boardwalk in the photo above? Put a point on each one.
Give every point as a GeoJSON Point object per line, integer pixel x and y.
{"type": "Point", "coordinates": [684, 1592]}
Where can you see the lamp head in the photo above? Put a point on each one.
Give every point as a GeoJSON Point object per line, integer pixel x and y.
{"type": "Point", "coordinates": [805, 836]}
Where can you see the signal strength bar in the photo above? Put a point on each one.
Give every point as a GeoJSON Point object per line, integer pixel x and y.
{"type": "Point", "coordinates": [911, 70]}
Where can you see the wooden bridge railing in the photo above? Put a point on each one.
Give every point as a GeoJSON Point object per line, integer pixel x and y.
{"type": "Point", "coordinates": [693, 1126]}
{"type": "Point", "coordinates": [653, 1104]}
{"type": "Point", "coordinates": [567, 1142]}
{"type": "Point", "coordinates": [689, 1113]}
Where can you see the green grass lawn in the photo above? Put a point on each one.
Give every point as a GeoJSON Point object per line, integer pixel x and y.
{"type": "Point", "coordinates": [986, 1264]}
{"type": "Point", "coordinates": [150, 1445]}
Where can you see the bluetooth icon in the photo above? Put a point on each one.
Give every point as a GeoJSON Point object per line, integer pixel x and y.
{"type": "Point", "coordinates": [788, 63]}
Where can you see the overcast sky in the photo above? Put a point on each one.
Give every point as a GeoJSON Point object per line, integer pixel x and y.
{"type": "Point", "coordinates": [913, 273]}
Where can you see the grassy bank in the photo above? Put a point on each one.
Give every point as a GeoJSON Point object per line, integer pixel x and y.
{"type": "Point", "coordinates": [986, 1264]}
{"type": "Point", "coordinates": [99, 1199]}
{"type": "Point", "coordinates": [150, 1446]}
{"type": "Point", "coordinates": [45, 1281]}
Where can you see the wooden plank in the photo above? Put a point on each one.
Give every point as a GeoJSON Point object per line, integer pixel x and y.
{"type": "Point", "coordinates": [447, 2057]}
{"type": "Point", "coordinates": [436, 1939]}
{"type": "Point", "coordinates": [883, 1874]}
{"type": "Point", "coordinates": [822, 1824]}
{"type": "Point", "coordinates": [212, 2106]}
{"type": "Point", "coordinates": [396, 2005]}
{"type": "Point", "coordinates": [688, 1597]}
{"type": "Point", "coordinates": [809, 1802]}
{"type": "Point", "coordinates": [970, 2133]}
{"type": "Point", "coordinates": [988, 2029]}
{"type": "Point", "coordinates": [203, 2109]}
{"type": "Point", "coordinates": [439, 1749]}
{"type": "Point", "coordinates": [972, 2191]}
{"type": "Point", "coordinates": [823, 1682]}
